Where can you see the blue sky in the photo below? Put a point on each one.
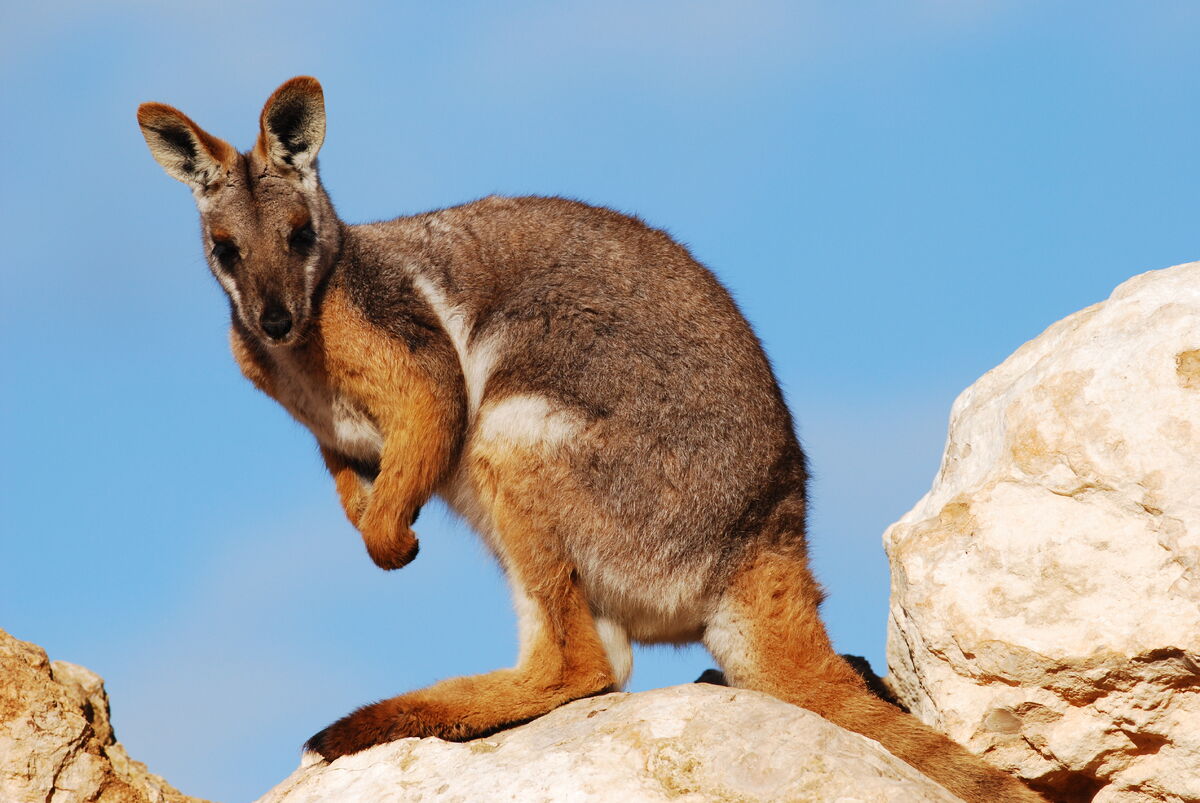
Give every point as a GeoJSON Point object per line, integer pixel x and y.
{"type": "Point", "coordinates": [898, 194]}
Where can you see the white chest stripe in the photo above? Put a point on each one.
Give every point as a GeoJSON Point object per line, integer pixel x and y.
{"type": "Point", "coordinates": [475, 360]}
{"type": "Point", "coordinates": [335, 421]}
{"type": "Point", "coordinates": [355, 432]}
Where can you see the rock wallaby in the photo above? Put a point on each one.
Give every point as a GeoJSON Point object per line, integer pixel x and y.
{"type": "Point", "coordinates": [575, 386]}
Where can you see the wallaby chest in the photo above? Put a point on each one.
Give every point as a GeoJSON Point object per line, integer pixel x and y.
{"type": "Point", "coordinates": [339, 421]}
{"type": "Point", "coordinates": [299, 378]}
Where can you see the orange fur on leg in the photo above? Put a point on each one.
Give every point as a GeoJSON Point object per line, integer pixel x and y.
{"type": "Point", "coordinates": [417, 418]}
{"type": "Point", "coordinates": [465, 708]}
{"type": "Point", "coordinates": [768, 636]}
{"type": "Point", "coordinates": [562, 657]}
{"type": "Point", "coordinates": [349, 486]}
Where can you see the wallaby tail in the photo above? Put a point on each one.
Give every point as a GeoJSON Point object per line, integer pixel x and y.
{"type": "Point", "coordinates": [906, 737]}
{"type": "Point", "coordinates": [767, 636]}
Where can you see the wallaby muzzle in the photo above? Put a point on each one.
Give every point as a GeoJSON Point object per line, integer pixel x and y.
{"type": "Point", "coordinates": [275, 320]}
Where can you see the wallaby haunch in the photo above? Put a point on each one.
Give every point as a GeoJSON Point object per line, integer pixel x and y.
{"type": "Point", "coordinates": [573, 384]}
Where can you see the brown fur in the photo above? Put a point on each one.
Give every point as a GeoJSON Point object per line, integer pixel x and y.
{"type": "Point", "coordinates": [348, 484]}
{"type": "Point", "coordinates": [572, 383]}
{"type": "Point", "coordinates": [419, 422]}
{"type": "Point", "coordinates": [248, 359]}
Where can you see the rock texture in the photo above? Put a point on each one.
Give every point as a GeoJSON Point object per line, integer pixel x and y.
{"type": "Point", "coordinates": [687, 743]}
{"type": "Point", "coordinates": [56, 743]}
{"type": "Point", "coordinates": [1046, 591]}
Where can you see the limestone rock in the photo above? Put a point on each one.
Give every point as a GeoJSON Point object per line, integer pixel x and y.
{"type": "Point", "coordinates": [1046, 591]}
{"type": "Point", "coordinates": [687, 743]}
{"type": "Point", "coordinates": [56, 742]}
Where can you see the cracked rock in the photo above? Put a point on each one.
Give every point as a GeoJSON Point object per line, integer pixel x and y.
{"type": "Point", "coordinates": [56, 742]}
{"type": "Point", "coordinates": [1046, 591]}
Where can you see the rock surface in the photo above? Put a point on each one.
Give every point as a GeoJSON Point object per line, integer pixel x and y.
{"type": "Point", "coordinates": [686, 743]}
{"type": "Point", "coordinates": [1046, 591]}
{"type": "Point", "coordinates": [56, 743]}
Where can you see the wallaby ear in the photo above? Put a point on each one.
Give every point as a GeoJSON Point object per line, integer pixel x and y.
{"type": "Point", "coordinates": [185, 150]}
{"type": "Point", "coordinates": [292, 125]}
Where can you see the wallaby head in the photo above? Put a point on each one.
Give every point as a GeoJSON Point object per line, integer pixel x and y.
{"type": "Point", "coordinates": [269, 230]}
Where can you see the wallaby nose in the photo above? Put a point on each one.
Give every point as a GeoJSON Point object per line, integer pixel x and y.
{"type": "Point", "coordinates": [275, 320]}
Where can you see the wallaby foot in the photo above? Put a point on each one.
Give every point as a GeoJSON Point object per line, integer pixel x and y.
{"type": "Point", "coordinates": [459, 709]}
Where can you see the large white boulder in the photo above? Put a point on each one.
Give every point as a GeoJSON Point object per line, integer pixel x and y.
{"type": "Point", "coordinates": [682, 744]}
{"type": "Point", "coordinates": [1046, 591]}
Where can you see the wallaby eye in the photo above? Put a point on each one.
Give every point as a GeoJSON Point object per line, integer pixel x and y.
{"type": "Point", "coordinates": [302, 239]}
{"type": "Point", "coordinates": [226, 253]}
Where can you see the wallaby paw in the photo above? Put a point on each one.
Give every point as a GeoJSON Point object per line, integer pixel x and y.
{"type": "Point", "coordinates": [389, 549]}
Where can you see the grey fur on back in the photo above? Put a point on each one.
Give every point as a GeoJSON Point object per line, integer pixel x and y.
{"type": "Point", "coordinates": [688, 445]}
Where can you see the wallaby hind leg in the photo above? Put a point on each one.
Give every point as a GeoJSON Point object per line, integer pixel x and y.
{"type": "Point", "coordinates": [563, 654]}
{"type": "Point", "coordinates": [766, 634]}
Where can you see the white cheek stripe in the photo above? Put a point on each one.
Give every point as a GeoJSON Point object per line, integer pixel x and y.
{"type": "Point", "coordinates": [313, 263]}
{"type": "Point", "coordinates": [310, 276]}
{"type": "Point", "coordinates": [230, 288]}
